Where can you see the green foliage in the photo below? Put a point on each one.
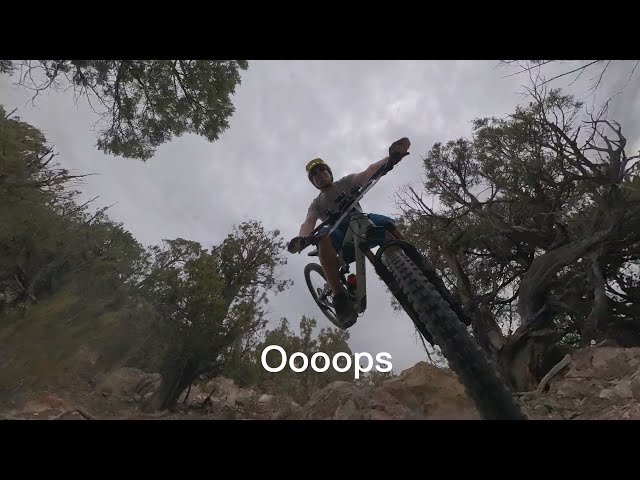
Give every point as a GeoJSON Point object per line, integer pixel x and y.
{"type": "Point", "coordinates": [81, 296]}
{"type": "Point", "coordinates": [68, 338]}
{"type": "Point", "coordinates": [247, 260]}
{"type": "Point", "coordinates": [184, 288]}
{"type": "Point", "coordinates": [65, 273]}
{"type": "Point", "coordinates": [211, 302]}
{"type": "Point", "coordinates": [299, 386]}
{"type": "Point", "coordinates": [144, 103]}
{"type": "Point", "coordinates": [45, 236]}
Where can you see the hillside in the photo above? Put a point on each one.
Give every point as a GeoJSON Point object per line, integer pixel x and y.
{"type": "Point", "coordinates": [533, 228]}
{"type": "Point", "coordinates": [599, 383]}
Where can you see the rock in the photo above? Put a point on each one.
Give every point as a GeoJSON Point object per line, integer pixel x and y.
{"type": "Point", "coordinates": [194, 394]}
{"type": "Point", "coordinates": [347, 411]}
{"type": "Point", "coordinates": [605, 363]}
{"type": "Point", "coordinates": [540, 410]}
{"type": "Point", "coordinates": [148, 384]}
{"type": "Point", "coordinates": [347, 401]}
{"type": "Point", "coordinates": [615, 362]}
{"type": "Point", "coordinates": [199, 398]}
{"type": "Point", "coordinates": [224, 395]}
{"type": "Point", "coordinates": [434, 391]}
{"type": "Point", "coordinates": [623, 389]}
{"type": "Point", "coordinates": [616, 412]}
{"type": "Point", "coordinates": [265, 404]}
{"type": "Point", "coordinates": [576, 387]}
{"type": "Point", "coordinates": [45, 402]}
{"type": "Point", "coordinates": [606, 394]}
{"type": "Point", "coordinates": [136, 397]}
{"type": "Point", "coordinates": [634, 386]}
{"type": "Point", "coordinates": [124, 382]}
{"type": "Point", "coordinates": [224, 389]}
{"type": "Point", "coordinates": [220, 386]}
{"type": "Point", "coordinates": [245, 397]}
{"type": "Point", "coordinates": [85, 358]}
{"type": "Point", "coordinates": [41, 405]}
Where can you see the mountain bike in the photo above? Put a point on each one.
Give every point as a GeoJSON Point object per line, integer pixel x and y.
{"type": "Point", "coordinates": [439, 318]}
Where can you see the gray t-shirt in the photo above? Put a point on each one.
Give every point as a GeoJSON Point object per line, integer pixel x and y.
{"type": "Point", "coordinates": [326, 200]}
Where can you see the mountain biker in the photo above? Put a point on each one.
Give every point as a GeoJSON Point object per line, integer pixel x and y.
{"type": "Point", "coordinates": [320, 175]}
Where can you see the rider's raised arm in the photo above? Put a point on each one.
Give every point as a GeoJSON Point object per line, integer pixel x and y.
{"type": "Point", "coordinates": [309, 224]}
{"type": "Point", "coordinates": [398, 150]}
{"type": "Point", "coordinates": [362, 177]}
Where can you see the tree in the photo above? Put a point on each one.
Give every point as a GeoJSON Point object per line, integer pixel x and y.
{"type": "Point", "coordinates": [142, 103]}
{"type": "Point", "coordinates": [537, 226]}
{"type": "Point", "coordinates": [66, 272]}
{"type": "Point", "coordinates": [46, 237]}
{"type": "Point", "coordinates": [601, 70]}
{"type": "Point", "coordinates": [210, 300]}
{"type": "Point", "coordinates": [301, 385]}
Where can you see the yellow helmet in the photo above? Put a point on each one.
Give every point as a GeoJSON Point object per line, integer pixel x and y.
{"type": "Point", "coordinates": [311, 166]}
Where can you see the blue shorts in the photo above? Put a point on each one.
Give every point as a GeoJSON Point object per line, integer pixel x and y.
{"type": "Point", "coordinates": [337, 236]}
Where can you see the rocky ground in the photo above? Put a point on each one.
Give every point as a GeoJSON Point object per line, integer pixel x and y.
{"type": "Point", "coordinates": [596, 383]}
{"type": "Point", "coordinates": [600, 383]}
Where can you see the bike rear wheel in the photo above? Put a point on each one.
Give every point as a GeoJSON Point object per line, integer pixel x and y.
{"type": "Point", "coordinates": [477, 373]}
{"type": "Point", "coordinates": [320, 291]}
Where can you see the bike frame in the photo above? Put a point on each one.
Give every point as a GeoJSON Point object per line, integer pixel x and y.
{"type": "Point", "coordinates": [356, 235]}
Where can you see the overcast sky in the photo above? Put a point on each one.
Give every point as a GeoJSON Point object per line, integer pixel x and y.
{"type": "Point", "coordinates": [288, 112]}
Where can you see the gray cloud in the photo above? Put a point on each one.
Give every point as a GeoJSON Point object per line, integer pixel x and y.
{"type": "Point", "coordinates": [288, 112]}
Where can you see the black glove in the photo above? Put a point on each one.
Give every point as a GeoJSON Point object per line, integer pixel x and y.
{"type": "Point", "coordinates": [295, 245]}
{"type": "Point", "coordinates": [399, 149]}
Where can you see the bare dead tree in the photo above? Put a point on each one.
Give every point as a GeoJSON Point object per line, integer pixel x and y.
{"type": "Point", "coordinates": [600, 72]}
{"type": "Point", "coordinates": [556, 192]}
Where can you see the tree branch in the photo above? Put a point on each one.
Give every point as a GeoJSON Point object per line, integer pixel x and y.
{"type": "Point", "coordinates": [569, 73]}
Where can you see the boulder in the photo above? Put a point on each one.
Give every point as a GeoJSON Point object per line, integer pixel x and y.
{"type": "Point", "coordinates": [604, 363]}
{"type": "Point", "coordinates": [634, 386]}
{"type": "Point", "coordinates": [433, 391]}
{"type": "Point", "coordinates": [622, 389]}
{"type": "Point", "coordinates": [126, 382]}
{"type": "Point", "coordinates": [347, 401]}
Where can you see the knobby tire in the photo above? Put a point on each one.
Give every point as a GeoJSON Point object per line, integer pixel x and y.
{"type": "Point", "coordinates": [477, 373]}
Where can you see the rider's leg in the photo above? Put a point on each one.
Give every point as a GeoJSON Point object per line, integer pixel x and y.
{"type": "Point", "coordinates": [390, 234]}
{"type": "Point", "coordinates": [329, 261]}
{"type": "Point", "coordinates": [395, 233]}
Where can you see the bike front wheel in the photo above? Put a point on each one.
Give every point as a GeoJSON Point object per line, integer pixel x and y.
{"type": "Point", "coordinates": [477, 373]}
